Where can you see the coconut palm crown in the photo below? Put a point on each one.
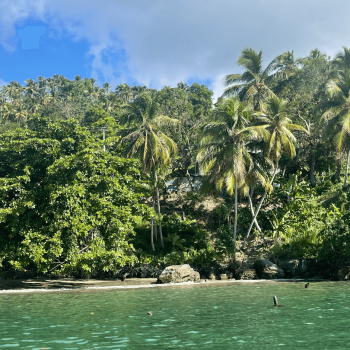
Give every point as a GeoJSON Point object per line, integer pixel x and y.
{"type": "Point", "coordinates": [337, 113]}
{"type": "Point", "coordinates": [253, 84]}
{"type": "Point", "coordinates": [143, 135]}
{"type": "Point", "coordinates": [281, 139]}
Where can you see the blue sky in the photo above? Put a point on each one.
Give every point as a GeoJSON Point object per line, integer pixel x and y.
{"type": "Point", "coordinates": [37, 54]}
{"type": "Point", "coordinates": [157, 42]}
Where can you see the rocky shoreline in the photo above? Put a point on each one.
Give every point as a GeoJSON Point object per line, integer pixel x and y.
{"type": "Point", "coordinates": [257, 270]}
{"type": "Point", "coordinates": [252, 269]}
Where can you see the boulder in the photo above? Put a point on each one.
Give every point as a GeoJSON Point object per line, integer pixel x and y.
{"type": "Point", "coordinates": [308, 267]}
{"type": "Point", "coordinates": [223, 276]}
{"type": "Point", "coordinates": [342, 273]}
{"type": "Point", "coordinates": [267, 270]}
{"type": "Point", "coordinates": [229, 274]}
{"type": "Point", "coordinates": [178, 274]}
{"type": "Point", "coordinates": [212, 277]}
{"type": "Point", "coordinates": [247, 274]}
{"type": "Point", "coordinates": [290, 267]}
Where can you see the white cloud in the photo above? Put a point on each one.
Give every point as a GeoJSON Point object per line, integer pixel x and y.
{"type": "Point", "coordinates": [164, 42]}
{"type": "Point", "coordinates": [14, 12]}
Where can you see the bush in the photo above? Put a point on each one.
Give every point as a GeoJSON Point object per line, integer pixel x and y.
{"type": "Point", "coordinates": [336, 241]}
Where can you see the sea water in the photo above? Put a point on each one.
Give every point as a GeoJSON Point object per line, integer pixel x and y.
{"type": "Point", "coordinates": [235, 316]}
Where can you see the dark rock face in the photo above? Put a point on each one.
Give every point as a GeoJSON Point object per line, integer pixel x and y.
{"type": "Point", "coordinates": [247, 274]}
{"type": "Point", "coordinates": [139, 272]}
{"type": "Point", "coordinates": [178, 274]}
{"type": "Point", "coordinates": [267, 270]}
{"type": "Point", "coordinates": [310, 268]}
{"type": "Point", "coordinates": [243, 270]}
{"type": "Point", "coordinates": [229, 274]}
{"type": "Point", "coordinates": [290, 267]}
{"type": "Point", "coordinates": [209, 272]}
{"type": "Point", "coordinates": [342, 273]}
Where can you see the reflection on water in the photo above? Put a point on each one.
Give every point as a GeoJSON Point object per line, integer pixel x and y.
{"type": "Point", "coordinates": [223, 317]}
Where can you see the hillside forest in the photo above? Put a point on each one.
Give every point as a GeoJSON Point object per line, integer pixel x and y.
{"type": "Point", "coordinates": [85, 170]}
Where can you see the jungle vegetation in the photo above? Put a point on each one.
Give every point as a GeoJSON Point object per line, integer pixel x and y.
{"type": "Point", "coordinates": [83, 168]}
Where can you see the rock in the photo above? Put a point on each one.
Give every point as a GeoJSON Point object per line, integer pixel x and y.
{"type": "Point", "coordinates": [223, 276]}
{"type": "Point", "coordinates": [229, 275]}
{"type": "Point", "coordinates": [143, 272]}
{"type": "Point", "coordinates": [212, 277]}
{"type": "Point", "coordinates": [178, 274]}
{"type": "Point", "coordinates": [247, 274]}
{"type": "Point", "coordinates": [267, 270]}
{"type": "Point", "coordinates": [290, 267]}
{"type": "Point", "coordinates": [304, 266]}
{"type": "Point", "coordinates": [342, 273]}
{"type": "Point", "coordinates": [308, 267]}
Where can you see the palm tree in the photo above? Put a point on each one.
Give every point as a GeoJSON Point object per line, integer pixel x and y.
{"type": "Point", "coordinates": [315, 54]}
{"type": "Point", "coordinates": [145, 139]}
{"type": "Point", "coordinates": [281, 138]}
{"type": "Point", "coordinates": [338, 114]}
{"type": "Point", "coordinates": [285, 65]}
{"type": "Point", "coordinates": [107, 87]}
{"type": "Point", "coordinates": [253, 84]}
{"type": "Point", "coordinates": [125, 92]}
{"type": "Point", "coordinates": [258, 174]}
{"type": "Point", "coordinates": [223, 153]}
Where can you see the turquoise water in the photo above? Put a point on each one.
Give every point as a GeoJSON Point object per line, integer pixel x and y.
{"type": "Point", "coordinates": [236, 316]}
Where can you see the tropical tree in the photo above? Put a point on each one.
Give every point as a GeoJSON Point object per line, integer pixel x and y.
{"type": "Point", "coordinates": [144, 137]}
{"type": "Point", "coordinates": [286, 65]}
{"type": "Point", "coordinates": [253, 84]}
{"type": "Point", "coordinates": [124, 92]}
{"type": "Point", "coordinates": [258, 174]}
{"type": "Point", "coordinates": [66, 205]}
{"type": "Point", "coordinates": [223, 154]}
{"type": "Point", "coordinates": [281, 138]}
{"type": "Point", "coordinates": [337, 115]}
{"type": "Point", "coordinates": [315, 54]}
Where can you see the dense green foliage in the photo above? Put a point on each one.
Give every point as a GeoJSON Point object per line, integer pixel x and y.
{"type": "Point", "coordinates": [84, 169]}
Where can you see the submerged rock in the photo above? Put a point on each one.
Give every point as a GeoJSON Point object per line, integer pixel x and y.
{"type": "Point", "coordinates": [267, 270]}
{"type": "Point", "coordinates": [178, 274]}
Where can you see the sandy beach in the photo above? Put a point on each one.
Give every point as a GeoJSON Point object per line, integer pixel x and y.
{"type": "Point", "coordinates": [17, 286]}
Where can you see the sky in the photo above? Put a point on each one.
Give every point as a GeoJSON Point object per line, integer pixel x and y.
{"type": "Point", "coordinates": [160, 42]}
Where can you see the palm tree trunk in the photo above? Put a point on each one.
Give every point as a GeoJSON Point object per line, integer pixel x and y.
{"type": "Point", "coordinates": [158, 209]}
{"type": "Point", "coordinates": [261, 202]}
{"type": "Point", "coordinates": [155, 234]}
{"type": "Point", "coordinates": [187, 173]}
{"type": "Point", "coordinates": [152, 227]}
{"type": "Point", "coordinates": [336, 175]}
{"type": "Point", "coordinates": [312, 170]}
{"type": "Point", "coordinates": [189, 180]}
{"type": "Point", "coordinates": [346, 169]}
{"type": "Point", "coordinates": [236, 210]}
{"type": "Point", "coordinates": [250, 196]}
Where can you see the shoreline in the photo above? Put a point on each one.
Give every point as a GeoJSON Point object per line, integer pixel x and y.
{"type": "Point", "coordinates": [34, 286]}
